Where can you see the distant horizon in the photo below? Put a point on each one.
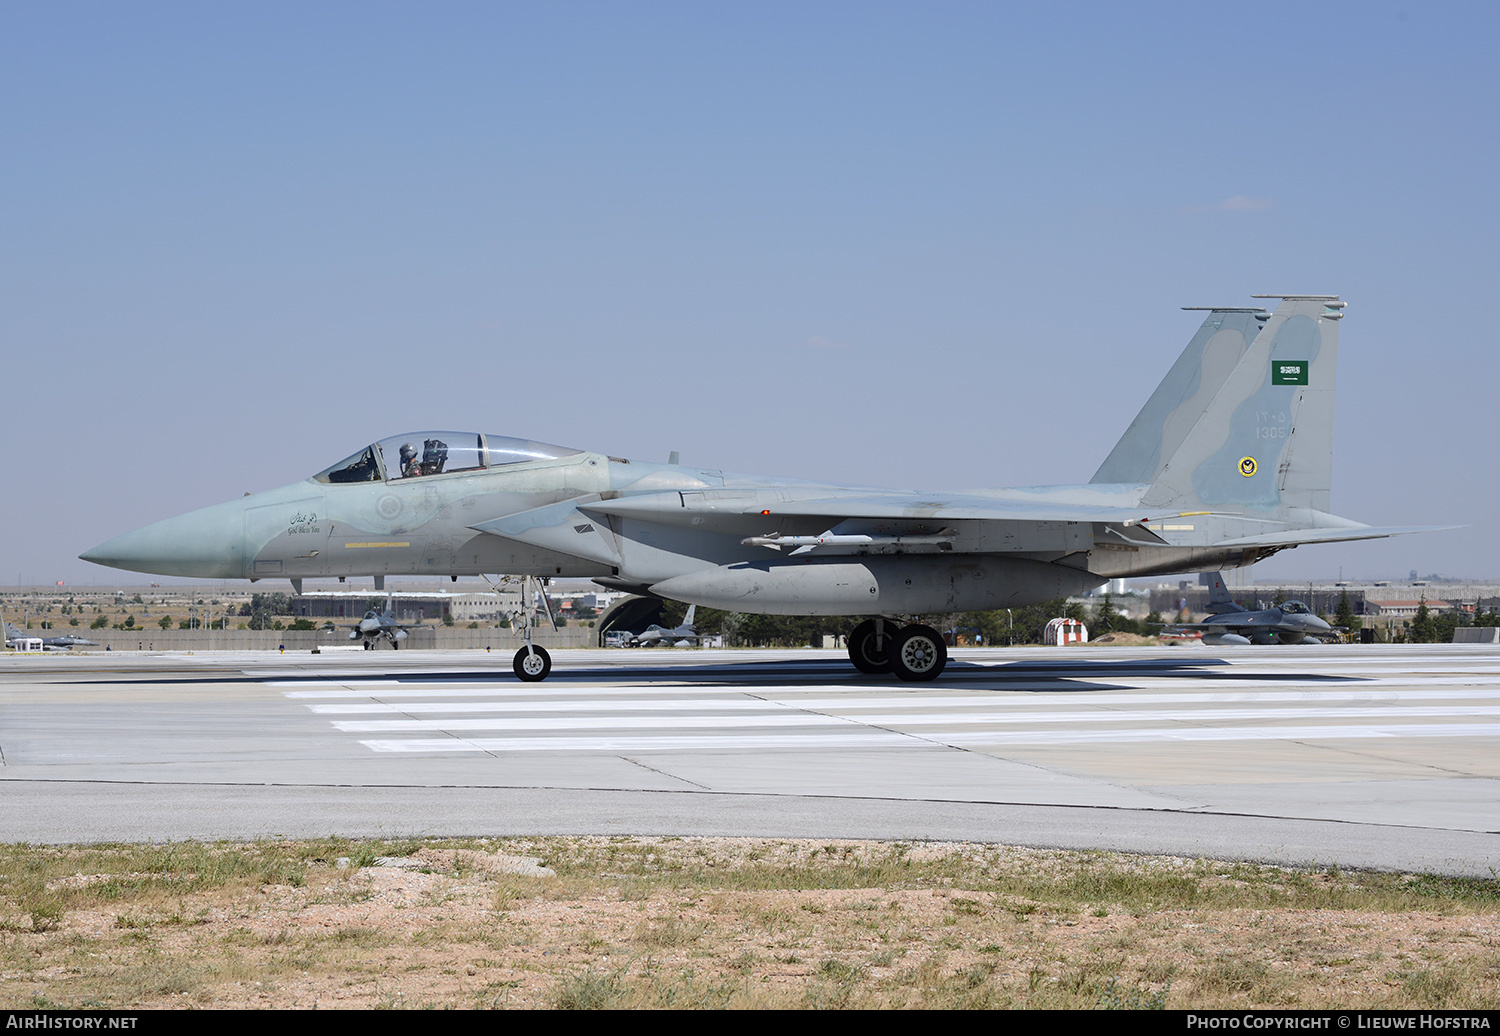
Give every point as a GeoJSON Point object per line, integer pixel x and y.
{"type": "Point", "coordinates": [354, 584]}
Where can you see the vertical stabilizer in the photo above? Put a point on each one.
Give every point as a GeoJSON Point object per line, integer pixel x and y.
{"type": "Point", "coordinates": [1265, 443]}
{"type": "Point", "coordinates": [1219, 600]}
{"type": "Point", "coordinates": [1183, 394]}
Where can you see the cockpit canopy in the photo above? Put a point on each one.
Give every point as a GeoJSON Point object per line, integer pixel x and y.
{"type": "Point", "coordinates": [1294, 608]}
{"type": "Point", "coordinates": [424, 454]}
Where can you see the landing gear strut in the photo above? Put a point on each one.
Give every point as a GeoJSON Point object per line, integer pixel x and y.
{"type": "Point", "coordinates": [532, 663]}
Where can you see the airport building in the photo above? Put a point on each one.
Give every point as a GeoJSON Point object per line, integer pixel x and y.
{"type": "Point", "coordinates": [485, 607]}
{"type": "Point", "coordinates": [408, 605]}
{"type": "Point", "coordinates": [1379, 600]}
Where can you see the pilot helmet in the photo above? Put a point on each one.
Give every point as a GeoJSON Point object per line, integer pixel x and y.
{"type": "Point", "coordinates": [408, 453]}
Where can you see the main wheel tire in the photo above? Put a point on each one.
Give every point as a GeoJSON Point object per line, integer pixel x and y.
{"type": "Point", "coordinates": [532, 665]}
{"type": "Point", "coordinates": [918, 654]}
{"type": "Point", "coordinates": [863, 652]}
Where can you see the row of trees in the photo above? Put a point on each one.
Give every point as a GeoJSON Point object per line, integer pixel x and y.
{"type": "Point", "coordinates": [1428, 628]}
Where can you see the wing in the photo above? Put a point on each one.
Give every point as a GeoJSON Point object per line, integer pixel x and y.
{"type": "Point", "coordinates": [1056, 521]}
{"type": "Point", "coordinates": [1235, 626]}
{"type": "Point", "coordinates": [779, 517]}
{"type": "Point", "coordinates": [1297, 537]}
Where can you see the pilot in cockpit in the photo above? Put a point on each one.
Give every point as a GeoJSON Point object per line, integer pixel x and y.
{"type": "Point", "coordinates": [409, 464]}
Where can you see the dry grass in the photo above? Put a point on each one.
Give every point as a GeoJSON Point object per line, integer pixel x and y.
{"type": "Point", "coordinates": [707, 922]}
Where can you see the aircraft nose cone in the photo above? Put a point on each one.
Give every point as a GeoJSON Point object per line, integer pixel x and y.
{"type": "Point", "coordinates": [208, 544]}
{"type": "Point", "coordinates": [125, 552]}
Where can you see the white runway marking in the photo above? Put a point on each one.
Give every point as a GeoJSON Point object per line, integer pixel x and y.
{"type": "Point", "coordinates": [788, 719]}
{"type": "Point", "coordinates": [654, 743]}
{"type": "Point", "coordinates": [800, 718]}
{"type": "Point", "coordinates": [1239, 703]}
{"type": "Point", "coordinates": [717, 742]}
{"type": "Point", "coordinates": [1177, 690]}
{"type": "Point", "coordinates": [1009, 706]}
{"type": "Point", "coordinates": [1060, 737]}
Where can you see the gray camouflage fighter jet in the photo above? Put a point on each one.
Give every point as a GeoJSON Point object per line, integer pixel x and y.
{"type": "Point", "coordinates": [62, 643]}
{"type": "Point", "coordinates": [1229, 462]}
{"type": "Point", "coordinates": [378, 625]}
{"type": "Point", "coordinates": [683, 635]}
{"type": "Point", "coordinates": [1290, 622]}
{"type": "Point", "coordinates": [68, 640]}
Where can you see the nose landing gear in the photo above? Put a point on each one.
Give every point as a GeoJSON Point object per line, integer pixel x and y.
{"type": "Point", "coordinates": [531, 663]}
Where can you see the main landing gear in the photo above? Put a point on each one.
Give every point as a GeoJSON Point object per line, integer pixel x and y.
{"type": "Point", "coordinates": [915, 653]}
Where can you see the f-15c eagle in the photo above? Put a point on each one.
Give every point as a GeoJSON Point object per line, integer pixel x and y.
{"type": "Point", "coordinates": [1229, 461]}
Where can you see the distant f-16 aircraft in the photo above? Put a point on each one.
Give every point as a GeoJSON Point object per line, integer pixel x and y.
{"type": "Point", "coordinates": [376, 626]}
{"type": "Point", "coordinates": [1290, 622]}
{"type": "Point", "coordinates": [1229, 461]}
{"type": "Point", "coordinates": [68, 640]}
{"type": "Point", "coordinates": [62, 643]}
{"type": "Point", "coordinates": [683, 635]}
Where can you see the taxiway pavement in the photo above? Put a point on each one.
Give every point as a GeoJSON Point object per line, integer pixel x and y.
{"type": "Point", "coordinates": [1359, 756]}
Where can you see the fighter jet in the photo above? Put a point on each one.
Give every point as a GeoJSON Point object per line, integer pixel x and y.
{"type": "Point", "coordinates": [377, 625]}
{"type": "Point", "coordinates": [14, 634]}
{"type": "Point", "coordinates": [68, 640]}
{"type": "Point", "coordinates": [684, 635]}
{"type": "Point", "coordinates": [1290, 622]}
{"type": "Point", "coordinates": [1229, 462]}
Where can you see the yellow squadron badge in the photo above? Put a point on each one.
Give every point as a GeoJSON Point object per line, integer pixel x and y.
{"type": "Point", "coordinates": [1247, 466]}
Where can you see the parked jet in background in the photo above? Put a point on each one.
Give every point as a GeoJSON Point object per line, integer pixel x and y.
{"type": "Point", "coordinates": [62, 643]}
{"type": "Point", "coordinates": [1229, 462]}
{"type": "Point", "coordinates": [684, 635]}
{"type": "Point", "coordinates": [68, 640]}
{"type": "Point", "coordinates": [1290, 622]}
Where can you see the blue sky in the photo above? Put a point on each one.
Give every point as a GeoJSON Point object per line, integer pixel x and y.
{"type": "Point", "coordinates": [938, 246]}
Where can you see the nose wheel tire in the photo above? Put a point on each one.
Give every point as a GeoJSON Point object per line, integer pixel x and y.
{"type": "Point", "coordinates": [868, 658]}
{"type": "Point", "coordinates": [532, 665]}
{"type": "Point", "coordinates": [917, 654]}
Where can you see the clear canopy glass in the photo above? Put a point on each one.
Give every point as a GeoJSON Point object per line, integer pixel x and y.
{"type": "Point", "coordinates": [420, 454]}
{"type": "Point", "coordinates": [506, 450]}
{"type": "Point", "coordinates": [425, 454]}
{"type": "Point", "coordinates": [362, 467]}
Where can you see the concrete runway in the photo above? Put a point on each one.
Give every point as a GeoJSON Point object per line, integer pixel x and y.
{"type": "Point", "coordinates": [1380, 757]}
